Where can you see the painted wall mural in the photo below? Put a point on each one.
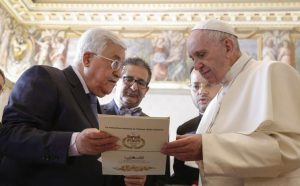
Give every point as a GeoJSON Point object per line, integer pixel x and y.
{"type": "Point", "coordinates": [165, 50]}
{"type": "Point", "coordinates": [278, 47]}
{"type": "Point", "coordinates": [22, 47]}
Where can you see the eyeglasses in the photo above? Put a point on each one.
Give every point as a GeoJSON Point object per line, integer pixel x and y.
{"type": "Point", "coordinates": [129, 80]}
{"type": "Point", "coordinates": [115, 64]}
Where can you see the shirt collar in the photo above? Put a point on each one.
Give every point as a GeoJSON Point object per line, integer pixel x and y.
{"type": "Point", "coordinates": [119, 105]}
{"type": "Point", "coordinates": [86, 90]}
{"type": "Point", "coordinates": [235, 69]}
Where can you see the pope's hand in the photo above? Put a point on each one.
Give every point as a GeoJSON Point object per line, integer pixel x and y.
{"type": "Point", "coordinates": [186, 147]}
{"type": "Point", "coordinates": [91, 141]}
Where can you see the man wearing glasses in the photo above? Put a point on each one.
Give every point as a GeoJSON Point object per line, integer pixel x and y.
{"type": "Point", "coordinates": [50, 134]}
{"type": "Point", "coordinates": [202, 93]}
{"type": "Point", "coordinates": [130, 91]}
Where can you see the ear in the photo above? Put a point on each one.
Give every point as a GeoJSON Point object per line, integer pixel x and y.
{"type": "Point", "coordinates": [229, 46]}
{"type": "Point", "coordinates": [86, 59]}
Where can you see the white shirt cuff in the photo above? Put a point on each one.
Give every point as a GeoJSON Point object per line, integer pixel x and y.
{"type": "Point", "coordinates": [72, 148]}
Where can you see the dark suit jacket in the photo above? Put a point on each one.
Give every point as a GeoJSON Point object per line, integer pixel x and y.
{"type": "Point", "coordinates": [184, 174]}
{"type": "Point", "coordinates": [45, 107]}
{"type": "Point", "coordinates": [112, 109]}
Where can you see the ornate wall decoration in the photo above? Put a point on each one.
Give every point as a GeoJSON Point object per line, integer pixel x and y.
{"type": "Point", "coordinates": [21, 48]}
{"type": "Point", "coordinates": [278, 47]}
{"type": "Point", "coordinates": [45, 31]}
{"type": "Point", "coordinates": [169, 61]}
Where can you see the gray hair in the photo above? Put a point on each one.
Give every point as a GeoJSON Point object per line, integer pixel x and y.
{"type": "Point", "coordinates": [220, 36]}
{"type": "Point", "coordinates": [95, 40]}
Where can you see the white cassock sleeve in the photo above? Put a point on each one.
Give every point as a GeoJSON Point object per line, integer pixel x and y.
{"type": "Point", "coordinates": [273, 147]}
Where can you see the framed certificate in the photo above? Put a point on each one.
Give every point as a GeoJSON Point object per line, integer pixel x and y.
{"type": "Point", "coordinates": [141, 139]}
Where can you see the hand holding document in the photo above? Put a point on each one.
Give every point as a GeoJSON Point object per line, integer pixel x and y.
{"type": "Point", "coordinates": [141, 139]}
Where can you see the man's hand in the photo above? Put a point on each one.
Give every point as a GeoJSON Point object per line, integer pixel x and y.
{"type": "Point", "coordinates": [135, 180]}
{"type": "Point", "coordinates": [91, 141]}
{"type": "Point", "coordinates": [186, 147]}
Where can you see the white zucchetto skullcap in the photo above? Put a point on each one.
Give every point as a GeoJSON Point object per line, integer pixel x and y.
{"type": "Point", "coordinates": [216, 25]}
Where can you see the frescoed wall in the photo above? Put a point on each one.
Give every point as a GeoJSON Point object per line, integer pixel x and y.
{"type": "Point", "coordinates": [156, 33]}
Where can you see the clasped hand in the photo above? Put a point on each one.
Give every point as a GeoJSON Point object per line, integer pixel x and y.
{"type": "Point", "coordinates": [186, 147]}
{"type": "Point", "coordinates": [91, 141]}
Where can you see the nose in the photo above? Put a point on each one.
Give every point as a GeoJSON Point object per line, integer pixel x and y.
{"type": "Point", "coordinates": [134, 86]}
{"type": "Point", "coordinates": [198, 65]}
{"type": "Point", "coordinates": [202, 90]}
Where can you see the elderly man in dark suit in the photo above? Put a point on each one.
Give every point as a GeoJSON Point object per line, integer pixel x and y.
{"type": "Point", "coordinates": [130, 91]}
{"type": "Point", "coordinates": [49, 135]}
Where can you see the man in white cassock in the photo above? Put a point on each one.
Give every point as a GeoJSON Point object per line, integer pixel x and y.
{"type": "Point", "coordinates": [250, 133]}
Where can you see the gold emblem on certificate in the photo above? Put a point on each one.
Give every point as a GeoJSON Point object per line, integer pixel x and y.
{"type": "Point", "coordinates": [133, 141]}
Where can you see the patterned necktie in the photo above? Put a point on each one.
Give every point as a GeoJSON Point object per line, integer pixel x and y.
{"type": "Point", "coordinates": [93, 104]}
{"type": "Point", "coordinates": [132, 112]}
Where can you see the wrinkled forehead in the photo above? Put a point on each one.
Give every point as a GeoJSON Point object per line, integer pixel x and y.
{"type": "Point", "coordinates": [197, 38]}
{"type": "Point", "coordinates": [191, 38]}
{"type": "Point", "coordinates": [114, 51]}
{"type": "Point", "coordinates": [196, 34]}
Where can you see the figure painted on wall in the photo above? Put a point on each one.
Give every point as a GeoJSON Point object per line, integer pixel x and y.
{"type": "Point", "coordinates": [58, 50]}
{"type": "Point", "coordinates": [161, 52]}
{"type": "Point", "coordinates": [176, 59]}
{"type": "Point", "coordinates": [269, 50]}
{"type": "Point", "coordinates": [278, 47]}
{"type": "Point", "coordinates": [5, 40]}
{"type": "Point", "coordinates": [20, 53]}
{"type": "Point", "coordinates": [44, 42]}
{"type": "Point", "coordinates": [19, 46]}
{"type": "Point", "coordinates": [169, 57]}
{"type": "Point", "coordinates": [285, 53]}
{"type": "Point", "coordinates": [2, 22]}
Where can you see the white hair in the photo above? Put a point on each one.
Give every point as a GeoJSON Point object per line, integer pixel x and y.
{"type": "Point", "coordinates": [95, 41]}
{"type": "Point", "coordinates": [220, 36]}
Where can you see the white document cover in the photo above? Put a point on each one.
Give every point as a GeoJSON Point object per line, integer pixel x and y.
{"type": "Point", "coordinates": [141, 139]}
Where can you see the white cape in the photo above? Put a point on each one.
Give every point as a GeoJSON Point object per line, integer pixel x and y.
{"type": "Point", "coordinates": [255, 139]}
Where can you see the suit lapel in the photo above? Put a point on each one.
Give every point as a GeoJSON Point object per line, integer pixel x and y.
{"type": "Point", "coordinates": [80, 96]}
{"type": "Point", "coordinates": [110, 108]}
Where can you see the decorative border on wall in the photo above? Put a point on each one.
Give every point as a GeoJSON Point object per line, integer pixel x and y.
{"type": "Point", "coordinates": [41, 33]}
{"type": "Point", "coordinates": [143, 16]}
